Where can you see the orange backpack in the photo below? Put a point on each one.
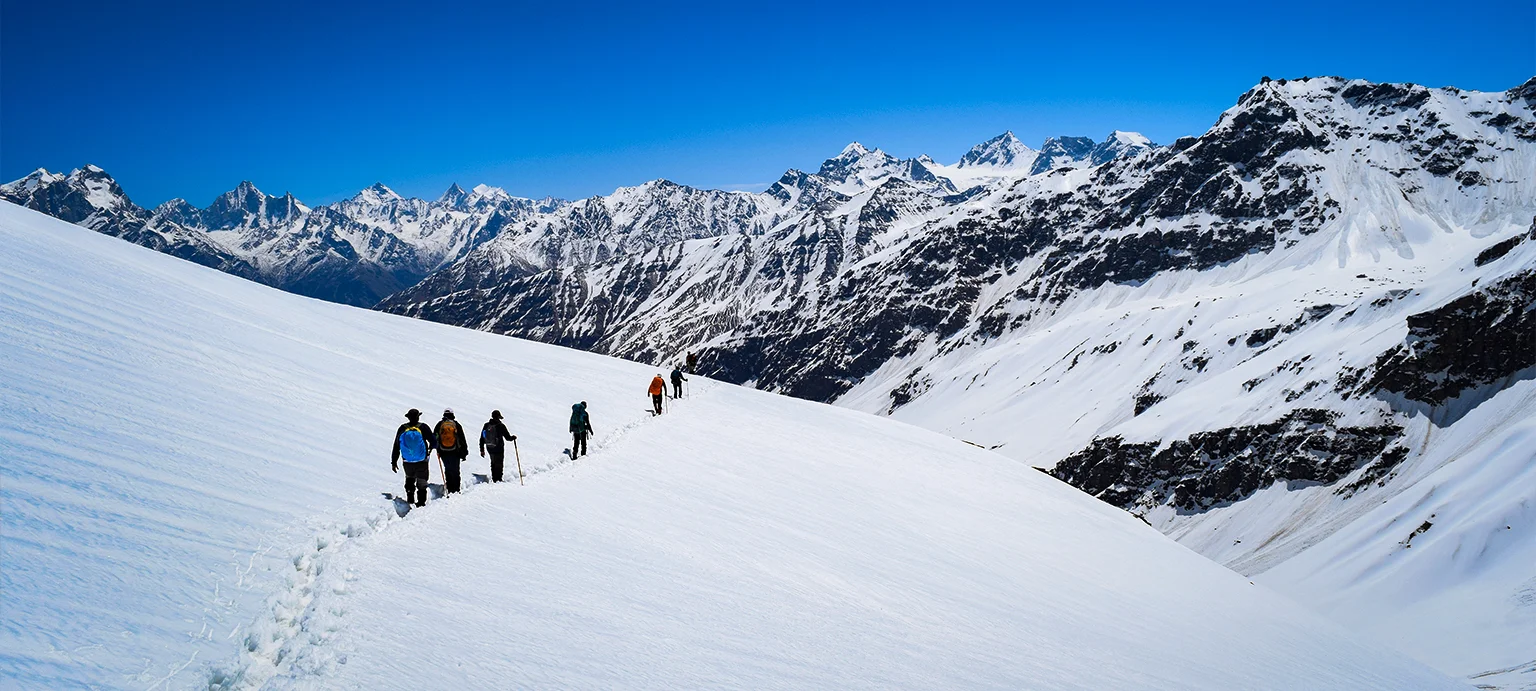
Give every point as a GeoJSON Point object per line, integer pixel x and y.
{"type": "Point", "coordinates": [450, 438]}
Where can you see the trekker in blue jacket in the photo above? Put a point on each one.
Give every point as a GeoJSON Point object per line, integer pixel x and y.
{"type": "Point", "coordinates": [413, 441]}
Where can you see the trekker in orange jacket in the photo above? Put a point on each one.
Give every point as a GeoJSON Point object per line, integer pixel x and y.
{"type": "Point", "coordinates": [658, 389]}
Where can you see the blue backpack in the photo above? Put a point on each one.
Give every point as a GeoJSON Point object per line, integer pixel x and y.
{"type": "Point", "coordinates": [413, 448]}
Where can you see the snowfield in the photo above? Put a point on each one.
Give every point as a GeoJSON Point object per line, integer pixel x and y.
{"type": "Point", "coordinates": [191, 499]}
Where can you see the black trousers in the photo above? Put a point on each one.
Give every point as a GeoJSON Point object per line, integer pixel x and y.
{"type": "Point", "coordinates": [677, 389]}
{"type": "Point", "coordinates": [416, 483]}
{"type": "Point", "coordinates": [498, 454]}
{"type": "Point", "coordinates": [451, 473]}
{"type": "Point", "coordinates": [578, 444]}
{"type": "Point", "coordinates": [656, 402]}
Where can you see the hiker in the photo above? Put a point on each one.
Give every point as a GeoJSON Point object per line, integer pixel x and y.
{"type": "Point", "coordinates": [452, 449]}
{"type": "Point", "coordinates": [493, 436]}
{"type": "Point", "coordinates": [658, 389]}
{"type": "Point", "coordinates": [581, 426]}
{"type": "Point", "coordinates": [693, 362]}
{"type": "Point", "coordinates": [413, 441]}
{"type": "Point", "coordinates": [677, 382]}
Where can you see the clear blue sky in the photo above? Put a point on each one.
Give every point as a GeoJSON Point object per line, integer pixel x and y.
{"type": "Point", "coordinates": [323, 99]}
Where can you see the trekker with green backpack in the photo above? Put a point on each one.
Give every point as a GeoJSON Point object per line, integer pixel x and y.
{"type": "Point", "coordinates": [452, 449]}
{"type": "Point", "coordinates": [413, 441]}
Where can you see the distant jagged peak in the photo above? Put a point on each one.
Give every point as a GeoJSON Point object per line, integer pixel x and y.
{"type": "Point", "coordinates": [178, 210]}
{"type": "Point", "coordinates": [244, 196]}
{"type": "Point", "coordinates": [91, 183]}
{"type": "Point", "coordinates": [100, 189]}
{"type": "Point", "coordinates": [858, 166]}
{"type": "Point", "coordinates": [488, 192]}
{"type": "Point", "coordinates": [34, 180]}
{"type": "Point", "coordinates": [1128, 138]}
{"type": "Point", "coordinates": [1062, 152]}
{"type": "Point", "coordinates": [378, 193]}
{"type": "Point", "coordinates": [855, 155]}
{"type": "Point", "coordinates": [1119, 144]}
{"type": "Point", "coordinates": [455, 195]}
{"type": "Point", "coordinates": [174, 205]}
{"type": "Point", "coordinates": [1003, 151]}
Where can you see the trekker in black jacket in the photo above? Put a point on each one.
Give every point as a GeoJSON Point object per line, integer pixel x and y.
{"type": "Point", "coordinates": [677, 382]}
{"type": "Point", "coordinates": [416, 447]}
{"type": "Point", "coordinates": [581, 426]}
{"type": "Point", "coordinates": [493, 436]}
{"type": "Point", "coordinates": [452, 449]}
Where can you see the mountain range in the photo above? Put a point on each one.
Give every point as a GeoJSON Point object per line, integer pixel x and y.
{"type": "Point", "coordinates": [378, 243]}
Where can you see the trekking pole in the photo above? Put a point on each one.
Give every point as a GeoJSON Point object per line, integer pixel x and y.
{"type": "Point", "coordinates": [444, 471]}
{"type": "Point", "coordinates": [519, 458]}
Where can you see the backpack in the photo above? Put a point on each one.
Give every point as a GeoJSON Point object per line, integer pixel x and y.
{"type": "Point", "coordinates": [450, 436]}
{"type": "Point", "coordinates": [578, 419]}
{"type": "Point", "coordinates": [413, 448]}
{"type": "Point", "coordinates": [491, 435]}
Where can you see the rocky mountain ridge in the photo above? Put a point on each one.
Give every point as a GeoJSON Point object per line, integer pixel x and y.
{"type": "Point", "coordinates": [378, 243]}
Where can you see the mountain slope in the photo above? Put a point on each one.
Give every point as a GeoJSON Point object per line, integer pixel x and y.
{"type": "Point", "coordinates": [222, 443]}
{"type": "Point", "coordinates": [1254, 337]}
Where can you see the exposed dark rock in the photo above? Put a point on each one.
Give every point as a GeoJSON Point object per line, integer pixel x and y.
{"type": "Point", "coordinates": [1460, 355]}
{"type": "Point", "coordinates": [1226, 465]}
{"type": "Point", "coordinates": [1498, 250]}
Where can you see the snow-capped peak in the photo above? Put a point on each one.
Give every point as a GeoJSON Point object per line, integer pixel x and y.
{"type": "Point", "coordinates": [101, 191]}
{"type": "Point", "coordinates": [858, 166]}
{"type": "Point", "coordinates": [854, 149]}
{"type": "Point", "coordinates": [178, 210]}
{"type": "Point", "coordinates": [1117, 145]}
{"type": "Point", "coordinates": [378, 193]}
{"type": "Point", "coordinates": [35, 180]}
{"type": "Point", "coordinates": [455, 194]}
{"type": "Point", "coordinates": [1003, 151]}
{"type": "Point", "coordinates": [1129, 138]}
{"type": "Point", "coordinates": [1060, 152]}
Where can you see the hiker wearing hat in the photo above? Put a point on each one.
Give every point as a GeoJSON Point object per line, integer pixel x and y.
{"type": "Point", "coordinates": [452, 449]}
{"type": "Point", "coordinates": [413, 441]}
{"type": "Point", "coordinates": [493, 436]}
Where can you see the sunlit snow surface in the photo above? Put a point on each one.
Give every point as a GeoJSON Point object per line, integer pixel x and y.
{"type": "Point", "coordinates": [191, 495]}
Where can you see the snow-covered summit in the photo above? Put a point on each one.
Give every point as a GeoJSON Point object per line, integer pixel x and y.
{"type": "Point", "coordinates": [1003, 151]}
{"type": "Point", "coordinates": [31, 182]}
{"type": "Point", "coordinates": [246, 207]}
{"type": "Point", "coordinates": [454, 195]}
{"type": "Point", "coordinates": [377, 194]}
{"type": "Point", "coordinates": [1062, 152]}
{"type": "Point", "coordinates": [1119, 145]}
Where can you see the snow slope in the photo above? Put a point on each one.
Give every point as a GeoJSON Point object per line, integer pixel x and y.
{"type": "Point", "coordinates": [191, 499]}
